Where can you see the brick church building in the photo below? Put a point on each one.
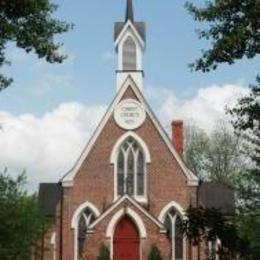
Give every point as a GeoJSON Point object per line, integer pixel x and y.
{"type": "Point", "coordinates": [130, 187]}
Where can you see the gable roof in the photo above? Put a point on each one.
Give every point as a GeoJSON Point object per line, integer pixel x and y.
{"type": "Point", "coordinates": [136, 29]}
{"type": "Point", "coordinates": [49, 196]}
{"type": "Point", "coordinates": [135, 204]}
{"type": "Point", "coordinates": [67, 180]}
{"type": "Point", "coordinates": [140, 27]}
{"type": "Point", "coordinates": [217, 195]}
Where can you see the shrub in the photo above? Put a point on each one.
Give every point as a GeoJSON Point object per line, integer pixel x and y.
{"type": "Point", "coordinates": [155, 253]}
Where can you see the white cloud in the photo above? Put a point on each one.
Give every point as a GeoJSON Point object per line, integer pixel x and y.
{"type": "Point", "coordinates": [46, 147]}
{"type": "Point", "coordinates": [205, 108]}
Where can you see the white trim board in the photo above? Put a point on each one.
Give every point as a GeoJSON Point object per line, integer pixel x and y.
{"type": "Point", "coordinates": [134, 216]}
{"type": "Point", "coordinates": [135, 204]}
{"type": "Point", "coordinates": [127, 26]}
{"type": "Point", "coordinates": [67, 180]}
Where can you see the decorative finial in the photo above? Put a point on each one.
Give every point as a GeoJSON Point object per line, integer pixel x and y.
{"type": "Point", "coordinates": [129, 11]}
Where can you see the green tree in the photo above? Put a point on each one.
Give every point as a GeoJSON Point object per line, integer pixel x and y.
{"type": "Point", "coordinates": [213, 156]}
{"type": "Point", "coordinates": [31, 26]}
{"type": "Point", "coordinates": [246, 121]}
{"type": "Point", "coordinates": [20, 220]}
{"type": "Point", "coordinates": [233, 29]}
{"type": "Point", "coordinates": [210, 225]}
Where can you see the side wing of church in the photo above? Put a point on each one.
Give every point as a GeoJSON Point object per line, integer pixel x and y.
{"type": "Point", "coordinates": [130, 188]}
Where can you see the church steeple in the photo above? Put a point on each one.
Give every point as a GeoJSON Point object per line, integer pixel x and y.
{"type": "Point", "coordinates": [129, 11]}
{"type": "Point", "coordinates": [130, 46]}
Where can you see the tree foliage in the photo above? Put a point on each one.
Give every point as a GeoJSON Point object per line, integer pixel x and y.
{"type": "Point", "coordinates": [29, 24]}
{"type": "Point", "coordinates": [213, 156]}
{"type": "Point", "coordinates": [155, 253]}
{"type": "Point", "coordinates": [233, 29]}
{"type": "Point", "coordinates": [208, 225]}
{"type": "Point", "coordinates": [20, 220]}
{"type": "Point", "coordinates": [246, 121]}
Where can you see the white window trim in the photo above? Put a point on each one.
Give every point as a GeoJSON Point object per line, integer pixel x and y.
{"type": "Point", "coordinates": [147, 158]}
{"type": "Point", "coordinates": [75, 220]}
{"type": "Point", "coordinates": [181, 212]}
{"type": "Point", "coordinates": [53, 243]}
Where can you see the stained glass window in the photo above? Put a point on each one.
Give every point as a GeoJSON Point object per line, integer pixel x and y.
{"type": "Point", "coordinates": [131, 169]}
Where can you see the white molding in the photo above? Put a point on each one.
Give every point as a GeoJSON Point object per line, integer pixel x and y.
{"type": "Point", "coordinates": [192, 180]}
{"type": "Point", "coordinates": [113, 160]}
{"type": "Point", "coordinates": [132, 201]}
{"type": "Point", "coordinates": [80, 209]}
{"type": "Point", "coordinates": [129, 25]}
{"type": "Point", "coordinates": [117, 217]}
{"type": "Point", "coordinates": [172, 204]}
{"type": "Point", "coordinates": [75, 220]}
{"type": "Point", "coordinates": [181, 213]}
{"type": "Point", "coordinates": [114, 153]}
{"type": "Point", "coordinates": [132, 104]}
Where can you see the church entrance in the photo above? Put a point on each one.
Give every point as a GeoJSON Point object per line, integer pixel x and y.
{"type": "Point", "coordinates": [126, 240]}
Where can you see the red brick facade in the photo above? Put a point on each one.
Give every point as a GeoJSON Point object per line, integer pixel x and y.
{"type": "Point", "coordinates": [91, 186]}
{"type": "Point", "coordinates": [94, 183]}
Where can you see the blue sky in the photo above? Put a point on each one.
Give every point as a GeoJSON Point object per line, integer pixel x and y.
{"type": "Point", "coordinates": [48, 114]}
{"type": "Point", "coordinates": [88, 75]}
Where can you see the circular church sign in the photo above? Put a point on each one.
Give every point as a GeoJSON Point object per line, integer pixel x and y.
{"type": "Point", "coordinates": [129, 114]}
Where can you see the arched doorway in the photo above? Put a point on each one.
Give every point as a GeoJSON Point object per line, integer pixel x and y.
{"type": "Point", "coordinates": [126, 243]}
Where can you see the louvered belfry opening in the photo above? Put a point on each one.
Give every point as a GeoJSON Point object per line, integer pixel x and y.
{"type": "Point", "coordinates": [129, 55]}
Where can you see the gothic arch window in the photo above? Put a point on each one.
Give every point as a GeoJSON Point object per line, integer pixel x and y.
{"type": "Point", "coordinates": [129, 54]}
{"type": "Point", "coordinates": [86, 218]}
{"type": "Point", "coordinates": [173, 224]}
{"type": "Point", "coordinates": [131, 168]}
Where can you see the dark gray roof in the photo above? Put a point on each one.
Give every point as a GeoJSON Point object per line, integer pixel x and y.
{"type": "Point", "coordinates": [139, 26]}
{"type": "Point", "coordinates": [129, 11]}
{"type": "Point", "coordinates": [218, 196]}
{"type": "Point", "coordinates": [49, 196]}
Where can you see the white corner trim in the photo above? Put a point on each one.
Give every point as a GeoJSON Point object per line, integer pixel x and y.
{"type": "Point", "coordinates": [172, 204]}
{"type": "Point", "coordinates": [80, 209]}
{"type": "Point", "coordinates": [53, 238]}
{"type": "Point", "coordinates": [130, 25]}
{"type": "Point", "coordinates": [114, 153]}
{"type": "Point", "coordinates": [117, 217]}
{"type": "Point", "coordinates": [192, 180]}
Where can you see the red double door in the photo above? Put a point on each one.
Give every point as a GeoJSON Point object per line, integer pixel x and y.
{"type": "Point", "coordinates": [126, 241]}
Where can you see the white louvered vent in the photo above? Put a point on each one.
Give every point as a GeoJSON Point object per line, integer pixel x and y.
{"type": "Point", "coordinates": [129, 54]}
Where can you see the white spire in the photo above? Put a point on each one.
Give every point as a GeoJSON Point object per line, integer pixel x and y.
{"type": "Point", "coordinates": [130, 45]}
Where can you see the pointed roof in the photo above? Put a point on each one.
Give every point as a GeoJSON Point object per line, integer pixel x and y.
{"type": "Point", "coordinates": [129, 19]}
{"type": "Point", "coordinates": [67, 180]}
{"type": "Point", "coordinates": [129, 11]}
{"type": "Point", "coordinates": [131, 201]}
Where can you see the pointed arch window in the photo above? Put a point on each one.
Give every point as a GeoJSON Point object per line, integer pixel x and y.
{"type": "Point", "coordinates": [86, 218]}
{"type": "Point", "coordinates": [129, 54]}
{"type": "Point", "coordinates": [131, 169]}
{"type": "Point", "coordinates": [173, 224]}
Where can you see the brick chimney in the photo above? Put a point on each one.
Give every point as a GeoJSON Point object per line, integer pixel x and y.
{"type": "Point", "coordinates": [177, 136]}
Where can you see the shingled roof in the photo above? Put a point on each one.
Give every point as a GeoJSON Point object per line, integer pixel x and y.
{"type": "Point", "coordinates": [49, 196]}
{"type": "Point", "coordinates": [139, 26]}
{"type": "Point", "coordinates": [218, 196]}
